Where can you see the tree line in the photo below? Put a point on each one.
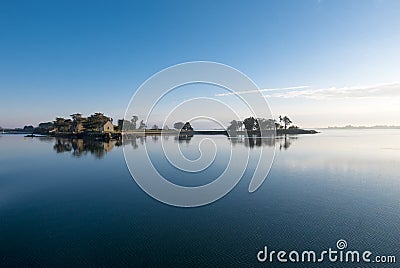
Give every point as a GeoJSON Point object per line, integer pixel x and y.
{"type": "Point", "coordinates": [125, 125]}
{"type": "Point", "coordinates": [257, 124]}
{"type": "Point", "coordinates": [78, 123]}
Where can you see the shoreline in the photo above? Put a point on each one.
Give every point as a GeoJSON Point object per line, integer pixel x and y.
{"type": "Point", "coordinates": [119, 135]}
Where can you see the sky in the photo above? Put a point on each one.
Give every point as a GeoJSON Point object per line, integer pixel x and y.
{"type": "Point", "coordinates": [322, 63]}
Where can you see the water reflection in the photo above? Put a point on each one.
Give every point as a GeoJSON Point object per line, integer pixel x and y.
{"type": "Point", "coordinates": [281, 142]}
{"type": "Point", "coordinates": [79, 147]}
{"type": "Point", "coordinates": [284, 142]}
{"type": "Point", "coordinates": [184, 138]}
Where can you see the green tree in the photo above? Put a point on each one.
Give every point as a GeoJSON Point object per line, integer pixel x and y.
{"type": "Point", "coordinates": [62, 124]}
{"type": "Point", "coordinates": [95, 121]}
{"type": "Point", "coordinates": [77, 117]}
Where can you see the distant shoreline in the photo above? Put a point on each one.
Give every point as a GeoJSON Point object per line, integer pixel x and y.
{"type": "Point", "coordinates": [363, 127]}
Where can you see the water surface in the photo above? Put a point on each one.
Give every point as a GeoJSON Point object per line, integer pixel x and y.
{"type": "Point", "coordinates": [73, 204]}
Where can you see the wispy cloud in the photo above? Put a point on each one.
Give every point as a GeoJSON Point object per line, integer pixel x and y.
{"type": "Point", "coordinates": [391, 90]}
{"type": "Point", "coordinates": [261, 90]}
{"type": "Point", "coordinates": [387, 90]}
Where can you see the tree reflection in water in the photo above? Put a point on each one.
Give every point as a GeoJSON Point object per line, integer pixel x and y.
{"type": "Point", "coordinates": [282, 142]}
{"type": "Point", "coordinates": [285, 142]}
{"type": "Point", "coordinates": [184, 138]}
{"type": "Point", "coordinates": [79, 147]}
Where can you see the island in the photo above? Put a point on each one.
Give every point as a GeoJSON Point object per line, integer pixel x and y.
{"type": "Point", "coordinates": [98, 126]}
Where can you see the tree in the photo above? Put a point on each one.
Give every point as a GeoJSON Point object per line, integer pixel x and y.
{"type": "Point", "coordinates": [187, 127]}
{"type": "Point", "coordinates": [77, 122]}
{"type": "Point", "coordinates": [95, 121]}
{"type": "Point", "coordinates": [266, 124]}
{"type": "Point", "coordinates": [28, 128]}
{"type": "Point", "coordinates": [256, 125]}
{"type": "Point", "coordinates": [62, 124]}
{"type": "Point", "coordinates": [154, 127]}
{"type": "Point", "coordinates": [286, 121]}
{"type": "Point", "coordinates": [240, 125]}
{"type": "Point", "coordinates": [76, 117]}
{"type": "Point", "coordinates": [133, 121]}
{"type": "Point", "coordinates": [179, 125]}
{"type": "Point", "coordinates": [270, 123]}
{"type": "Point", "coordinates": [142, 125]}
{"type": "Point", "coordinates": [262, 122]}
{"type": "Point", "coordinates": [249, 123]}
{"type": "Point", "coordinates": [234, 125]}
{"type": "Point", "coordinates": [124, 125]}
{"type": "Point", "coordinates": [46, 125]}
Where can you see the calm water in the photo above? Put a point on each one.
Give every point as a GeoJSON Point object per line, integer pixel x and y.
{"type": "Point", "coordinates": [74, 204]}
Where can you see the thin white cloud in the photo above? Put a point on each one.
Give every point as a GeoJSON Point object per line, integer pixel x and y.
{"type": "Point", "coordinates": [389, 90]}
{"type": "Point", "coordinates": [261, 90]}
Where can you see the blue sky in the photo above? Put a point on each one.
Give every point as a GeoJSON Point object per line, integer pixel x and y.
{"type": "Point", "coordinates": [60, 57]}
